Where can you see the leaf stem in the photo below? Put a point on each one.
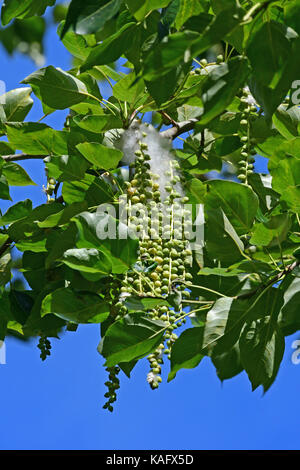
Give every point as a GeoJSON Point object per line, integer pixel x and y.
{"type": "Point", "coordinates": [206, 289]}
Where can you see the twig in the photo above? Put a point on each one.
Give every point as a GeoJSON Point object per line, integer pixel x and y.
{"type": "Point", "coordinates": [168, 118]}
{"type": "Point", "coordinates": [22, 156]}
{"type": "Point", "coordinates": [288, 269]}
{"type": "Point", "coordinates": [179, 128]}
{"type": "Point", "coordinates": [256, 9]}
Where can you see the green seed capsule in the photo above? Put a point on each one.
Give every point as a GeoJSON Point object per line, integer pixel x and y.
{"type": "Point", "coordinates": [154, 276]}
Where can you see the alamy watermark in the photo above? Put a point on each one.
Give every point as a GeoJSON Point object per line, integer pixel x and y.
{"type": "Point", "coordinates": [295, 95]}
{"type": "Point", "coordinates": [156, 220]}
{"type": "Point", "coordinates": [2, 353]}
{"type": "Point", "coordinates": [296, 353]}
{"type": "Point", "coordinates": [2, 92]}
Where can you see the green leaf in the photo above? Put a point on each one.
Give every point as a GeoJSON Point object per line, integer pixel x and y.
{"type": "Point", "coordinates": [99, 155]}
{"type": "Point", "coordinates": [163, 90]}
{"type": "Point", "coordinates": [21, 303]}
{"type": "Point", "coordinates": [58, 242]}
{"type": "Point", "coordinates": [273, 232]}
{"type": "Point", "coordinates": [289, 320]}
{"type": "Point", "coordinates": [58, 89]}
{"type": "Point", "coordinates": [140, 9]}
{"type": "Point", "coordinates": [76, 44]}
{"type": "Point", "coordinates": [6, 149]}
{"type": "Point", "coordinates": [139, 304]}
{"type": "Point", "coordinates": [111, 48]}
{"type": "Point", "coordinates": [197, 190]}
{"type": "Point", "coordinates": [175, 299]}
{"type": "Point", "coordinates": [35, 243]}
{"type": "Point", "coordinates": [87, 260]}
{"type": "Point", "coordinates": [37, 139]}
{"type": "Point", "coordinates": [187, 351]}
{"type": "Point", "coordinates": [165, 56]}
{"type": "Point", "coordinates": [16, 212]}
{"type": "Point", "coordinates": [224, 323]}
{"type": "Point", "coordinates": [268, 50]}
{"type": "Point", "coordinates": [28, 225]}
{"type": "Point", "coordinates": [221, 25]}
{"type": "Point", "coordinates": [98, 123]}
{"type": "Point", "coordinates": [123, 253]}
{"type": "Point", "coordinates": [4, 188]}
{"type": "Point", "coordinates": [129, 89]}
{"type": "Point", "coordinates": [222, 241]}
{"type": "Point", "coordinates": [270, 98]}
{"type": "Point", "coordinates": [16, 175]}
{"type": "Point", "coordinates": [66, 167]}
{"type": "Point", "coordinates": [285, 124]}
{"type": "Point", "coordinates": [63, 217]}
{"type": "Point", "coordinates": [130, 339]}
{"type": "Point", "coordinates": [90, 17]}
{"type": "Point", "coordinates": [222, 85]}
{"type": "Point", "coordinates": [187, 9]}
{"type": "Point", "coordinates": [16, 104]}
{"type": "Point", "coordinates": [237, 201]}
{"type": "Point", "coordinates": [292, 15]}
{"type": "Point", "coordinates": [77, 307]}
{"type": "Point", "coordinates": [262, 347]}
{"type": "Point", "coordinates": [91, 189]}
{"type": "Point", "coordinates": [15, 9]}
{"type": "Point", "coordinates": [286, 173]}
{"type": "Point", "coordinates": [292, 197]}
{"type": "Point", "coordinates": [5, 269]}
{"type": "Point", "coordinates": [5, 314]}
{"type": "Point", "coordinates": [228, 364]}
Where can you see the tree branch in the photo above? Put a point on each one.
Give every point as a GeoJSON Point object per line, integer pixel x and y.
{"type": "Point", "coordinates": [288, 269]}
{"type": "Point", "coordinates": [22, 156]}
{"type": "Point", "coordinates": [179, 128]}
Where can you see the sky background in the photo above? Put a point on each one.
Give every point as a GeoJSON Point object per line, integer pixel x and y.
{"type": "Point", "coordinates": [58, 404]}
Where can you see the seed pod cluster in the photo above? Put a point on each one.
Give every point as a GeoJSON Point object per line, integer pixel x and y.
{"type": "Point", "coordinates": [50, 188]}
{"type": "Point", "coordinates": [44, 346]}
{"type": "Point", "coordinates": [155, 214]}
{"type": "Point", "coordinates": [246, 164]}
{"type": "Point", "coordinates": [113, 384]}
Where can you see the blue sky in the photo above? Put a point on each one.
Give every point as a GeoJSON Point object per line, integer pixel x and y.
{"type": "Point", "coordinates": [58, 404]}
